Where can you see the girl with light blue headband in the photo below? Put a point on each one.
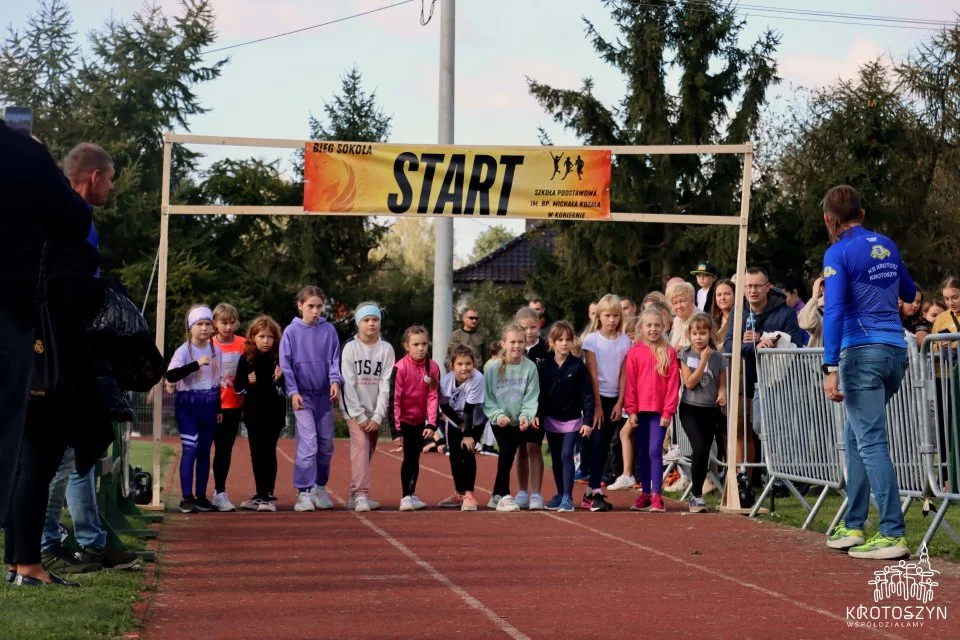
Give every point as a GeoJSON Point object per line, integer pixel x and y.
{"type": "Point", "coordinates": [366, 364]}
{"type": "Point", "coordinates": [197, 370]}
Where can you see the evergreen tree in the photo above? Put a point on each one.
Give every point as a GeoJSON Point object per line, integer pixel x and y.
{"type": "Point", "coordinates": [718, 98]}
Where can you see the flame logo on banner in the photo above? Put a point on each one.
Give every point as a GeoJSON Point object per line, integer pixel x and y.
{"type": "Point", "coordinates": [340, 193]}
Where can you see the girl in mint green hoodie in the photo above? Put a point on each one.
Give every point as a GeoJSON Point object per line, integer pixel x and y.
{"type": "Point", "coordinates": [510, 403]}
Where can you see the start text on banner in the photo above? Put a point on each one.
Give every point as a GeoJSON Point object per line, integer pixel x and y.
{"type": "Point", "coordinates": [551, 182]}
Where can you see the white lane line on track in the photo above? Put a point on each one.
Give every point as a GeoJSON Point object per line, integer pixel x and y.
{"type": "Point", "coordinates": [688, 564]}
{"type": "Point", "coordinates": [469, 600]}
{"type": "Point", "coordinates": [439, 473]}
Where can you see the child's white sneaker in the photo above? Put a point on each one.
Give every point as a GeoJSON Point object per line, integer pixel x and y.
{"type": "Point", "coordinates": [623, 483]}
{"type": "Point", "coordinates": [304, 502]}
{"type": "Point", "coordinates": [221, 501]}
{"type": "Point", "coordinates": [507, 503]}
{"type": "Point", "coordinates": [406, 504]}
{"type": "Point", "coordinates": [321, 499]}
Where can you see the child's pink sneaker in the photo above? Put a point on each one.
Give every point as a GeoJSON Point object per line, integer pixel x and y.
{"type": "Point", "coordinates": [656, 503]}
{"type": "Point", "coordinates": [642, 502]}
{"type": "Point", "coordinates": [469, 503]}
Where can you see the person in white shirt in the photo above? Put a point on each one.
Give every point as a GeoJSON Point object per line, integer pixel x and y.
{"type": "Point", "coordinates": [366, 362]}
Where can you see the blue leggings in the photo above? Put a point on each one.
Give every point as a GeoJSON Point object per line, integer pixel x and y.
{"type": "Point", "coordinates": [197, 423]}
{"type": "Point", "coordinates": [561, 452]}
{"type": "Point", "coordinates": [648, 445]}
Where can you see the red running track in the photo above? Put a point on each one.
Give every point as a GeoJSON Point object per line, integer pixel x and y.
{"type": "Point", "coordinates": [445, 574]}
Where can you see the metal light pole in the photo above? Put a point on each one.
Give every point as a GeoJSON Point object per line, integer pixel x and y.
{"type": "Point", "coordinates": [443, 227]}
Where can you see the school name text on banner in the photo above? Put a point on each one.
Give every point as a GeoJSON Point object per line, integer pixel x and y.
{"type": "Point", "coordinates": [395, 179]}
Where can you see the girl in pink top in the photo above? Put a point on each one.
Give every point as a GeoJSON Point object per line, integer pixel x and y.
{"type": "Point", "coordinates": [651, 398]}
{"type": "Point", "coordinates": [415, 403]}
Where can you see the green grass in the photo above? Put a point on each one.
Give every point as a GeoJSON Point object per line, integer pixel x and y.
{"type": "Point", "coordinates": [102, 608]}
{"type": "Point", "coordinates": [791, 513]}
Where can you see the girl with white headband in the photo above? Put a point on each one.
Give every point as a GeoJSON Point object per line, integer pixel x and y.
{"type": "Point", "coordinates": [365, 364]}
{"type": "Point", "coordinates": [197, 370]}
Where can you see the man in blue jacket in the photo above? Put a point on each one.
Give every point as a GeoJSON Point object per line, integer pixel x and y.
{"type": "Point", "coordinates": [865, 351]}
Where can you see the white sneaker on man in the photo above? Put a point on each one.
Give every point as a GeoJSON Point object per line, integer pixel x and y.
{"type": "Point", "coordinates": [321, 499]}
{"type": "Point", "coordinates": [406, 503]}
{"type": "Point", "coordinates": [304, 502]}
{"type": "Point", "coordinates": [522, 499]}
{"type": "Point", "coordinates": [418, 503]}
{"type": "Point", "coordinates": [361, 504]}
{"type": "Point", "coordinates": [221, 502]}
{"type": "Point", "coordinates": [507, 503]}
{"type": "Point", "coordinates": [622, 483]}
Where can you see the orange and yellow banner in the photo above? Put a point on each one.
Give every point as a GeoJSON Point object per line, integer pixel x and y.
{"type": "Point", "coordinates": [399, 179]}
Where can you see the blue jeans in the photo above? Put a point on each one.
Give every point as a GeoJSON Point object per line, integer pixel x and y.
{"type": "Point", "coordinates": [81, 495]}
{"type": "Point", "coordinates": [870, 375]}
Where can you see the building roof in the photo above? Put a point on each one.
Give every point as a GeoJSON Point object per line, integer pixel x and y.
{"type": "Point", "coordinates": [511, 264]}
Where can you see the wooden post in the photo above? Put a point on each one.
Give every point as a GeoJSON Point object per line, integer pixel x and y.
{"type": "Point", "coordinates": [155, 501]}
{"type": "Point", "coordinates": [731, 497]}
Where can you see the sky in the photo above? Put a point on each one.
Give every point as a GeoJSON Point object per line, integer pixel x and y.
{"type": "Point", "coordinates": [268, 89]}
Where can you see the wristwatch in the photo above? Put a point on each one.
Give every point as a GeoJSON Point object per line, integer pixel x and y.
{"type": "Point", "coordinates": [829, 368]}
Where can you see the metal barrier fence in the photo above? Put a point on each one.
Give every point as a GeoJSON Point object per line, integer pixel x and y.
{"type": "Point", "coordinates": [803, 431]}
{"type": "Point", "coordinates": [941, 392]}
{"type": "Point", "coordinates": [801, 438]}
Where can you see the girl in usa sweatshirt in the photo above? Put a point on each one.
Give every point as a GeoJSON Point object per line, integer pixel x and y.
{"type": "Point", "coordinates": [366, 364]}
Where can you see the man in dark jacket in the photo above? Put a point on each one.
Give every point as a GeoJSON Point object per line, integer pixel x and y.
{"type": "Point", "coordinates": [770, 315]}
{"type": "Point", "coordinates": [39, 205]}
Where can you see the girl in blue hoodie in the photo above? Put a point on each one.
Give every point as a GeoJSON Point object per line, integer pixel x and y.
{"type": "Point", "coordinates": [310, 361]}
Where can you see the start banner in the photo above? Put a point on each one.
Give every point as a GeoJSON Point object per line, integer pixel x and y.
{"type": "Point", "coordinates": [402, 179]}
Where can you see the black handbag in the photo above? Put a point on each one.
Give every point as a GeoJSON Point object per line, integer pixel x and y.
{"type": "Point", "coordinates": [46, 365]}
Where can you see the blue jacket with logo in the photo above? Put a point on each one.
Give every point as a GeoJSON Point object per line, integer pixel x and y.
{"type": "Point", "coordinates": [863, 277]}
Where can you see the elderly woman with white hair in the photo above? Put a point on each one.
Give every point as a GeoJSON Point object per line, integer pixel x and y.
{"type": "Point", "coordinates": [682, 298]}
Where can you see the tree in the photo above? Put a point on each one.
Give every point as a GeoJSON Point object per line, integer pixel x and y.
{"type": "Point", "coordinates": [721, 90]}
{"type": "Point", "coordinates": [489, 241]}
{"type": "Point", "coordinates": [889, 132]}
{"type": "Point", "coordinates": [137, 80]}
{"type": "Point", "coordinates": [334, 252]}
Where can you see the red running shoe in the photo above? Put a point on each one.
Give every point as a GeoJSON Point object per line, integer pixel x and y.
{"type": "Point", "coordinates": [643, 502]}
{"type": "Point", "coordinates": [656, 503]}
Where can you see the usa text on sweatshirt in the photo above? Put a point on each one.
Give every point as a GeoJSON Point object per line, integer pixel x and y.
{"type": "Point", "coordinates": [366, 380]}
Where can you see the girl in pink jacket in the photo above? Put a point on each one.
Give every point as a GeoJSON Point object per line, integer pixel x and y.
{"type": "Point", "coordinates": [415, 405]}
{"type": "Point", "coordinates": [651, 398]}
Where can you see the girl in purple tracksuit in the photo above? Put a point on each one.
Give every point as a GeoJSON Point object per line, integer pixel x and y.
{"type": "Point", "coordinates": [310, 361]}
